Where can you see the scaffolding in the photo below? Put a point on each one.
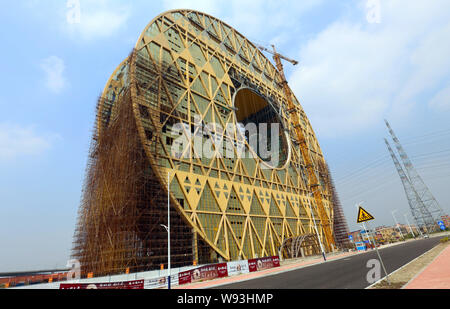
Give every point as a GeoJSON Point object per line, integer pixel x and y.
{"type": "Point", "coordinates": [122, 209]}
{"type": "Point", "coordinates": [340, 226]}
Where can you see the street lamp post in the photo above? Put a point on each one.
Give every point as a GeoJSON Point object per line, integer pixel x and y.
{"type": "Point", "coordinates": [410, 229]}
{"type": "Point", "coordinates": [315, 227]}
{"type": "Point", "coordinates": [395, 219]}
{"type": "Point", "coordinates": [168, 230]}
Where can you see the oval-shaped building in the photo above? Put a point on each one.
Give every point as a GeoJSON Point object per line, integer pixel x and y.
{"type": "Point", "coordinates": [199, 117]}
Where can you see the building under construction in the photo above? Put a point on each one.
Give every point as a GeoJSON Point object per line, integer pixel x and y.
{"type": "Point", "coordinates": [189, 79]}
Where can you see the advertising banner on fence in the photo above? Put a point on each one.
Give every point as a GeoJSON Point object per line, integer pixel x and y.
{"type": "Point", "coordinates": [237, 267]}
{"type": "Point", "coordinates": [207, 272]}
{"type": "Point", "coordinates": [276, 261]}
{"type": "Point", "coordinates": [227, 269]}
{"type": "Point", "coordinates": [161, 282]}
{"type": "Point", "coordinates": [184, 277]}
{"type": "Point", "coordinates": [126, 285]}
{"type": "Point", "coordinates": [263, 263]}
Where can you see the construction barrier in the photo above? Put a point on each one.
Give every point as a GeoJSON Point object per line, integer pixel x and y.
{"type": "Point", "coordinates": [203, 273]}
{"type": "Point", "coordinates": [179, 276]}
{"type": "Point", "coordinates": [263, 263]}
{"type": "Point", "coordinates": [213, 271]}
{"type": "Point", "coordinates": [161, 282]}
{"type": "Point", "coordinates": [121, 285]}
{"type": "Point", "coordinates": [237, 267]}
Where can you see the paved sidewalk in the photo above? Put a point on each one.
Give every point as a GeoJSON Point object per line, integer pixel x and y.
{"type": "Point", "coordinates": [262, 273]}
{"type": "Point", "coordinates": [435, 276]}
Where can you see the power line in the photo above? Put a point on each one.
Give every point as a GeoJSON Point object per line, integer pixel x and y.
{"type": "Point", "coordinates": [436, 133]}
{"type": "Point", "coordinates": [371, 164]}
{"type": "Point", "coordinates": [380, 162]}
{"type": "Point", "coordinates": [375, 189]}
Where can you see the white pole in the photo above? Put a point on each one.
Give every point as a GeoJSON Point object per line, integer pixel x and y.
{"type": "Point", "coordinates": [410, 229]}
{"type": "Point", "coordinates": [168, 228]}
{"type": "Point", "coordinates": [379, 256]}
{"type": "Point", "coordinates": [395, 219]}
{"type": "Point", "coordinates": [367, 235]}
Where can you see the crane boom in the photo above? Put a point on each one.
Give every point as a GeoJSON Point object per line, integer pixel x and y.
{"type": "Point", "coordinates": [294, 62]}
{"type": "Point", "coordinates": [313, 181]}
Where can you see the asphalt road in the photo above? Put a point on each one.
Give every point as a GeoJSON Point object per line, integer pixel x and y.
{"type": "Point", "coordinates": [347, 273]}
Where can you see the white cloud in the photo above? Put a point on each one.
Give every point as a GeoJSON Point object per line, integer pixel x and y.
{"type": "Point", "coordinates": [95, 19]}
{"type": "Point", "coordinates": [441, 101]}
{"type": "Point", "coordinates": [251, 17]}
{"type": "Point", "coordinates": [340, 83]}
{"type": "Point", "coordinates": [82, 20]}
{"type": "Point", "coordinates": [17, 141]}
{"type": "Point", "coordinates": [353, 73]}
{"type": "Point", "coordinates": [206, 6]}
{"type": "Point", "coordinates": [54, 68]}
{"type": "Point", "coordinates": [273, 16]}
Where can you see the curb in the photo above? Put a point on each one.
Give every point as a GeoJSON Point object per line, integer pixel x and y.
{"type": "Point", "coordinates": [424, 268]}
{"type": "Point", "coordinates": [375, 283]}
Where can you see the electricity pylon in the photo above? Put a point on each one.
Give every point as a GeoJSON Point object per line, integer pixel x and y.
{"type": "Point", "coordinates": [425, 195]}
{"type": "Point", "coordinates": [420, 213]}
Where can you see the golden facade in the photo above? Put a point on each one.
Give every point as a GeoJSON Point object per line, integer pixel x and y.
{"type": "Point", "coordinates": [192, 69]}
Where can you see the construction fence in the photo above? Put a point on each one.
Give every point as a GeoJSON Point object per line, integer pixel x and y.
{"type": "Point", "coordinates": [158, 279]}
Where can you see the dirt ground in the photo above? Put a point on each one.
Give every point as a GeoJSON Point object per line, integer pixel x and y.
{"type": "Point", "coordinates": [401, 277]}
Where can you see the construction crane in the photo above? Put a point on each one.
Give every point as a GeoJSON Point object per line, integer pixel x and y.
{"type": "Point", "coordinates": [293, 111]}
{"type": "Point", "coordinates": [274, 52]}
{"type": "Point", "coordinates": [277, 57]}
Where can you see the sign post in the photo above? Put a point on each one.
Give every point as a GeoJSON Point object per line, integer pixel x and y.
{"type": "Point", "coordinates": [364, 216]}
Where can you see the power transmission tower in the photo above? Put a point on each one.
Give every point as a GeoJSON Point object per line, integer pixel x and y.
{"type": "Point", "coordinates": [420, 213]}
{"type": "Point", "coordinates": [417, 183]}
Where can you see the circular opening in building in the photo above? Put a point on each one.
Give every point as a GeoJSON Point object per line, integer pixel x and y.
{"type": "Point", "coordinates": [261, 126]}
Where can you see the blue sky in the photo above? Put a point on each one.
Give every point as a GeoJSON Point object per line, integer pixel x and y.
{"type": "Point", "coordinates": [360, 62]}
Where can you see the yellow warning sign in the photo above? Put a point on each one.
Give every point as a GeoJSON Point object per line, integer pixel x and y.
{"type": "Point", "coordinates": [363, 215]}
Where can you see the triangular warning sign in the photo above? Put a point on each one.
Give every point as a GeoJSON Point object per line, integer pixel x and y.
{"type": "Point", "coordinates": [363, 215]}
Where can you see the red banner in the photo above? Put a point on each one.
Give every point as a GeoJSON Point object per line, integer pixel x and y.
{"type": "Point", "coordinates": [252, 265]}
{"type": "Point", "coordinates": [263, 263]}
{"type": "Point", "coordinates": [222, 270]}
{"type": "Point", "coordinates": [127, 285]}
{"type": "Point", "coordinates": [276, 261]}
{"type": "Point", "coordinates": [184, 277]}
